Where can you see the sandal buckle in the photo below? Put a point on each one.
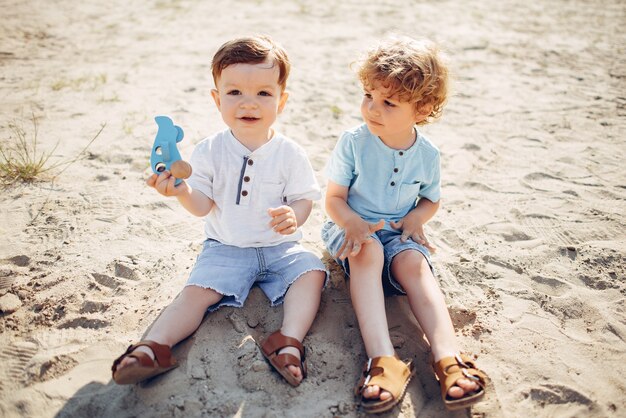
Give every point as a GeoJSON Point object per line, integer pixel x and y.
{"type": "Point", "coordinates": [470, 376]}
{"type": "Point", "coordinates": [460, 361]}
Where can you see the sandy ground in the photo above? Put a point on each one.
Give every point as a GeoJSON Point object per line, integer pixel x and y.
{"type": "Point", "coordinates": [531, 233]}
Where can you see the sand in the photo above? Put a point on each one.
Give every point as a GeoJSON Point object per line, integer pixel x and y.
{"type": "Point", "coordinates": [531, 233]}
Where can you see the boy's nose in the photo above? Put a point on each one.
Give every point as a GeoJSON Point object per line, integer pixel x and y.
{"type": "Point", "coordinates": [373, 109]}
{"type": "Point", "coordinates": [248, 103]}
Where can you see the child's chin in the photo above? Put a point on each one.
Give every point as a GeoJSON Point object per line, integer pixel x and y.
{"type": "Point", "coordinates": [373, 129]}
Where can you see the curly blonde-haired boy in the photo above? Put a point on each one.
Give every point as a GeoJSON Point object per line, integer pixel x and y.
{"type": "Point", "coordinates": [384, 185]}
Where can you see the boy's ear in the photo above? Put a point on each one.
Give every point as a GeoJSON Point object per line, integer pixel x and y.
{"type": "Point", "coordinates": [216, 97]}
{"type": "Point", "coordinates": [283, 101]}
{"type": "Point", "coordinates": [422, 113]}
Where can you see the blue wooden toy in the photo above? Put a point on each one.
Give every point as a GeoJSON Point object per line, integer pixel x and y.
{"type": "Point", "coordinates": [165, 155]}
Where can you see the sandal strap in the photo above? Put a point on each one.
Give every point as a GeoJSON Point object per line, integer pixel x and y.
{"type": "Point", "coordinates": [277, 341]}
{"type": "Point", "coordinates": [388, 372]}
{"type": "Point", "coordinates": [162, 355]}
{"type": "Point", "coordinates": [449, 369]}
{"type": "Point", "coordinates": [286, 359]}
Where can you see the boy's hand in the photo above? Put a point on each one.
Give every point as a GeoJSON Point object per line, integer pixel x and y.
{"type": "Point", "coordinates": [284, 220]}
{"type": "Point", "coordinates": [164, 184]}
{"type": "Point", "coordinates": [357, 233]}
{"type": "Point", "coordinates": [413, 228]}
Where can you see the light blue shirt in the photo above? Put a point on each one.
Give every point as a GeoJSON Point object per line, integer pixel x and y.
{"type": "Point", "coordinates": [384, 183]}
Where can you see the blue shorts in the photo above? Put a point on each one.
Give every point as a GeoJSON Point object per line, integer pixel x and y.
{"type": "Point", "coordinates": [334, 236]}
{"type": "Point", "coordinates": [232, 271]}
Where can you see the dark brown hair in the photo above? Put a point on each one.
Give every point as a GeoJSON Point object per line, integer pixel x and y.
{"type": "Point", "coordinates": [251, 50]}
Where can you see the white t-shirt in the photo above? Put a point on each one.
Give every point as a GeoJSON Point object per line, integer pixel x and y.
{"type": "Point", "coordinates": [245, 184]}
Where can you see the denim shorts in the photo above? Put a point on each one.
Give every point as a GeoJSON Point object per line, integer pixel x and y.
{"type": "Point", "coordinates": [232, 271]}
{"type": "Point", "coordinates": [334, 236]}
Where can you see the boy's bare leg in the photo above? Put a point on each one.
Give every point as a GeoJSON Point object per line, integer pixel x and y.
{"type": "Point", "coordinates": [300, 307]}
{"type": "Point", "coordinates": [428, 304]}
{"type": "Point", "coordinates": [368, 300]}
{"type": "Point", "coordinates": [179, 320]}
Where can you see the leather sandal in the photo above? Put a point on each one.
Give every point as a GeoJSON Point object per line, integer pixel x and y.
{"type": "Point", "coordinates": [450, 369]}
{"type": "Point", "coordinates": [146, 367]}
{"type": "Point", "coordinates": [280, 362]}
{"type": "Point", "coordinates": [390, 374]}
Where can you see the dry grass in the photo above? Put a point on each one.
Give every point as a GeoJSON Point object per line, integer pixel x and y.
{"type": "Point", "coordinates": [22, 161]}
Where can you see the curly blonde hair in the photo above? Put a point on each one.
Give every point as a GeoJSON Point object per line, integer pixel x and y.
{"type": "Point", "coordinates": [414, 70]}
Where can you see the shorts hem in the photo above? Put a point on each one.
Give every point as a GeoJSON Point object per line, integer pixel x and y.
{"type": "Point", "coordinates": [280, 299]}
{"type": "Point", "coordinates": [236, 303]}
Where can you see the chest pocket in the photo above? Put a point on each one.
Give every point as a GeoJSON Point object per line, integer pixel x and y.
{"type": "Point", "coordinates": [408, 195]}
{"type": "Point", "coordinates": [272, 194]}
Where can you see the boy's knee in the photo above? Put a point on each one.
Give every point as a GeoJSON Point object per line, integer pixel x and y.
{"type": "Point", "coordinates": [412, 262]}
{"type": "Point", "coordinates": [315, 277]}
{"type": "Point", "coordinates": [371, 252]}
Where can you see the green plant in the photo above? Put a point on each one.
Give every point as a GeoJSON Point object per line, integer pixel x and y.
{"type": "Point", "coordinates": [336, 110]}
{"type": "Point", "coordinates": [21, 160]}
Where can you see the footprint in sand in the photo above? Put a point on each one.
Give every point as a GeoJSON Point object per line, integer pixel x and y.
{"type": "Point", "coordinates": [83, 322]}
{"type": "Point", "coordinates": [550, 286]}
{"type": "Point", "coordinates": [559, 394]}
{"type": "Point", "coordinates": [15, 357]}
{"type": "Point", "coordinates": [566, 233]}
{"type": "Point", "coordinates": [102, 206]}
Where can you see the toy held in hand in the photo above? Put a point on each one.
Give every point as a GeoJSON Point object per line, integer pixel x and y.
{"type": "Point", "coordinates": [165, 155]}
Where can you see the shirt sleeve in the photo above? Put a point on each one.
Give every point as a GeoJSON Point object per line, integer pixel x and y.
{"type": "Point", "coordinates": [432, 190]}
{"type": "Point", "coordinates": [201, 178]}
{"type": "Point", "coordinates": [340, 167]}
{"type": "Point", "coordinates": [302, 183]}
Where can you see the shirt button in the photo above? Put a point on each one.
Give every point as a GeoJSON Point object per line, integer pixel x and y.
{"type": "Point", "coordinates": [250, 162]}
{"type": "Point", "coordinates": [246, 179]}
{"type": "Point", "coordinates": [393, 183]}
{"type": "Point", "coordinates": [401, 153]}
{"type": "Point", "coordinates": [244, 193]}
{"type": "Point", "coordinates": [395, 170]}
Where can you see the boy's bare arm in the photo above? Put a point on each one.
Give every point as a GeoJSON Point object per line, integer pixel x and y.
{"type": "Point", "coordinates": [357, 231]}
{"type": "Point", "coordinates": [337, 205]}
{"type": "Point", "coordinates": [196, 203]}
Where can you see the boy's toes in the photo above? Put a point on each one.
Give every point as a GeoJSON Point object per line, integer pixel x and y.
{"type": "Point", "coordinates": [295, 372]}
{"type": "Point", "coordinates": [462, 387]}
{"type": "Point", "coordinates": [129, 361]}
{"type": "Point", "coordinates": [374, 392]}
{"type": "Point", "coordinates": [126, 362]}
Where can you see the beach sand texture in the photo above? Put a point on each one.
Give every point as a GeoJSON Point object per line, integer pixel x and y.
{"type": "Point", "coordinates": [531, 233]}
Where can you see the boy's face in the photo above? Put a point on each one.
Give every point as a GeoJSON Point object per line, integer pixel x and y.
{"type": "Point", "coordinates": [249, 98]}
{"type": "Point", "coordinates": [387, 116]}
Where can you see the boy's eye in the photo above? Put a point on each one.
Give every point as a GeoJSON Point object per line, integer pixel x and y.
{"type": "Point", "coordinates": [233, 92]}
{"type": "Point", "coordinates": [388, 103]}
{"type": "Point", "coordinates": [368, 95]}
{"type": "Point", "coordinates": [265, 93]}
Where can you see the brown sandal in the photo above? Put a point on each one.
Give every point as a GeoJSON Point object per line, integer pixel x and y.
{"type": "Point", "coordinates": [389, 373]}
{"type": "Point", "coordinates": [147, 367]}
{"type": "Point", "coordinates": [276, 342]}
{"type": "Point", "coordinates": [450, 369]}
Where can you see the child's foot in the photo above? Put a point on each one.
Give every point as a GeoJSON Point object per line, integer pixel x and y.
{"type": "Point", "coordinates": [142, 361]}
{"type": "Point", "coordinates": [383, 383]}
{"type": "Point", "coordinates": [457, 391]}
{"type": "Point", "coordinates": [462, 383]}
{"type": "Point", "coordinates": [294, 370]}
{"type": "Point", "coordinates": [286, 355]}
{"type": "Point", "coordinates": [129, 361]}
